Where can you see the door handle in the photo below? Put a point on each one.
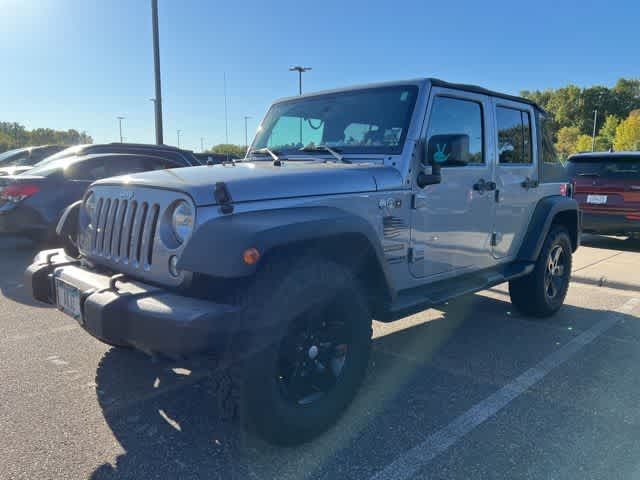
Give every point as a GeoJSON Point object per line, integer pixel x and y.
{"type": "Point", "coordinates": [529, 183]}
{"type": "Point", "coordinates": [483, 186]}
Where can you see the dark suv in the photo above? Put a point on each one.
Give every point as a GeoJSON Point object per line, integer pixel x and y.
{"type": "Point", "coordinates": [181, 157]}
{"type": "Point", "coordinates": [607, 187]}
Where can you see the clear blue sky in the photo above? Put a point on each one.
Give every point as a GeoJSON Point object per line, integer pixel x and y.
{"type": "Point", "coordinates": [80, 63]}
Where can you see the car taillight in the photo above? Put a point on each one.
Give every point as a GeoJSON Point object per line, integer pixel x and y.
{"type": "Point", "coordinates": [17, 193]}
{"type": "Point", "coordinates": [566, 189]}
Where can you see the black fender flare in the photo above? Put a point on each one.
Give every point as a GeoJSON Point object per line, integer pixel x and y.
{"type": "Point", "coordinates": [543, 216]}
{"type": "Point", "coordinates": [216, 248]}
{"type": "Point", "coordinates": [67, 228]}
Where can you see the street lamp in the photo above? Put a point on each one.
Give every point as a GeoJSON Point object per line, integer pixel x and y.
{"type": "Point", "coordinates": [156, 69]}
{"type": "Point", "coordinates": [120, 126]}
{"type": "Point", "coordinates": [300, 71]}
{"type": "Point", "coordinates": [246, 138]}
{"type": "Point", "coordinates": [179, 132]}
{"type": "Point", "coordinates": [593, 136]}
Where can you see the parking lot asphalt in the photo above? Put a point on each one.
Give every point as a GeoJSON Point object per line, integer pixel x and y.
{"type": "Point", "coordinates": [469, 390]}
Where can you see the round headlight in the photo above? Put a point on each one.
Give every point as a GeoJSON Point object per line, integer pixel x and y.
{"type": "Point", "coordinates": [182, 220]}
{"type": "Point", "coordinates": [90, 206]}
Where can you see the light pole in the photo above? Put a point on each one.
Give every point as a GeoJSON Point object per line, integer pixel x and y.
{"type": "Point", "coordinates": [300, 71]}
{"type": "Point", "coordinates": [593, 136]}
{"type": "Point", "coordinates": [246, 138]}
{"type": "Point", "coordinates": [120, 126]}
{"type": "Point", "coordinates": [156, 67]}
{"type": "Point", "coordinates": [201, 144]}
{"type": "Point", "coordinates": [179, 132]}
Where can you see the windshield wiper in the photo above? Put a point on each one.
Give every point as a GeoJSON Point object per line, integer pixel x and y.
{"type": "Point", "coordinates": [266, 151]}
{"type": "Point", "coordinates": [589, 174]}
{"type": "Point", "coordinates": [323, 148]}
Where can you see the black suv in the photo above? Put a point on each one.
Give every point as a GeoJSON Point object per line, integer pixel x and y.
{"type": "Point", "coordinates": [181, 157]}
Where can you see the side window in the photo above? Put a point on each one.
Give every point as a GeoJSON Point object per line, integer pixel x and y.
{"type": "Point", "coordinates": [514, 135]}
{"type": "Point", "coordinates": [160, 164]}
{"type": "Point", "coordinates": [455, 134]}
{"type": "Point", "coordinates": [88, 170]}
{"type": "Point", "coordinates": [124, 166]}
{"type": "Point", "coordinates": [98, 168]}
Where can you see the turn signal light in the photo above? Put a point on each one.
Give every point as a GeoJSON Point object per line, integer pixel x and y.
{"type": "Point", "coordinates": [251, 256]}
{"type": "Point", "coordinates": [18, 192]}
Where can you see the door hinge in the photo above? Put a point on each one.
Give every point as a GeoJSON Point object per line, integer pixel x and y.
{"type": "Point", "coordinates": [415, 254]}
{"type": "Point", "coordinates": [418, 201]}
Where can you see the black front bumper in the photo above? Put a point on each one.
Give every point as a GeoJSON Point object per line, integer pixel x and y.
{"type": "Point", "coordinates": [126, 312]}
{"type": "Point", "coordinates": [609, 224]}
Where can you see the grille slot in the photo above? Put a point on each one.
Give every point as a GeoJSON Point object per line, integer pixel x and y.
{"type": "Point", "coordinates": [125, 235]}
{"type": "Point", "coordinates": [125, 231]}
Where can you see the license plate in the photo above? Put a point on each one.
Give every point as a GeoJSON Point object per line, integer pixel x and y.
{"type": "Point", "coordinates": [597, 199]}
{"type": "Point", "coordinates": [68, 299]}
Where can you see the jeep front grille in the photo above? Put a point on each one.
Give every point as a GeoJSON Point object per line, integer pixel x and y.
{"type": "Point", "coordinates": [125, 231]}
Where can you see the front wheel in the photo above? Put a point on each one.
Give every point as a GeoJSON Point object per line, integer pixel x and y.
{"type": "Point", "coordinates": [542, 292]}
{"type": "Point", "coordinates": [311, 356]}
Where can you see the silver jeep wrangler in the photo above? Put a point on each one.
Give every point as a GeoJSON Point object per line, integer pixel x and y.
{"type": "Point", "coordinates": [360, 203]}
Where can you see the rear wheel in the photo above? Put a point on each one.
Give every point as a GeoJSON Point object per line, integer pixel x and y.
{"type": "Point", "coordinates": [542, 292]}
{"type": "Point", "coordinates": [310, 353]}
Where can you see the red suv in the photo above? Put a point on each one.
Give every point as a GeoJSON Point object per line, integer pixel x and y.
{"type": "Point", "coordinates": [607, 187]}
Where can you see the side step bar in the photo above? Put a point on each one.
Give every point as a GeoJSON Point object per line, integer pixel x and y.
{"type": "Point", "coordinates": [415, 300]}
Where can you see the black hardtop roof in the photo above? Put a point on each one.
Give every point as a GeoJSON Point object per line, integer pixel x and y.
{"type": "Point", "coordinates": [142, 145]}
{"type": "Point", "coordinates": [436, 82]}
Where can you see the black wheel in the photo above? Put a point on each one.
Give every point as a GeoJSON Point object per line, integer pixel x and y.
{"type": "Point", "coordinates": [308, 356]}
{"type": "Point", "coordinates": [542, 292]}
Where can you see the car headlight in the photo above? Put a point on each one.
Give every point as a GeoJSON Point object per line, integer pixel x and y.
{"type": "Point", "coordinates": [90, 206]}
{"type": "Point", "coordinates": [182, 220]}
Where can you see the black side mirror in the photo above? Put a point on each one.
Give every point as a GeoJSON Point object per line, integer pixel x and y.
{"type": "Point", "coordinates": [426, 179]}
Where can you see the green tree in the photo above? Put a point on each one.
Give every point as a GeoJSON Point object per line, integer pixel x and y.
{"type": "Point", "coordinates": [234, 151]}
{"type": "Point", "coordinates": [567, 138]}
{"type": "Point", "coordinates": [607, 135]}
{"type": "Point", "coordinates": [5, 142]}
{"type": "Point", "coordinates": [628, 134]}
{"type": "Point", "coordinates": [583, 144]}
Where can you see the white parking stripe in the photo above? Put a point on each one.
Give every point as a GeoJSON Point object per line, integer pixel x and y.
{"type": "Point", "coordinates": [409, 463]}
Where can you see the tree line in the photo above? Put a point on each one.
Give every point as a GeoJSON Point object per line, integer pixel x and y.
{"type": "Point", "coordinates": [572, 110]}
{"type": "Point", "coordinates": [14, 135]}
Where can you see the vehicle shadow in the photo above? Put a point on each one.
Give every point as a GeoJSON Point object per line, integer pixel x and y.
{"type": "Point", "coordinates": [625, 244]}
{"type": "Point", "coordinates": [427, 371]}
{"type": "Point", "coordinates": [16, 254]}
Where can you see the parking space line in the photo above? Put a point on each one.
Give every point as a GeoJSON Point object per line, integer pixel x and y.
{"type": "Point", "coordinates": [409, 463]}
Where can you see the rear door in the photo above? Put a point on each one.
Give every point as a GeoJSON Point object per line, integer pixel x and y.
{"type": "Point", "coordinates": [516, 175]}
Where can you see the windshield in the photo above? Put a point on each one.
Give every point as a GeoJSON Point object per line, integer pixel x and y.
{"type": "Point", "coordinates": [48, 166]}
{"type": "Point", "coordinates": [13, 156]}
{"type": "Point", "coordinates": [616, 167]}
{"type": "Point", "coordinates": [61, 154]}
{"type": "Point", "coordinates": [374, 120]}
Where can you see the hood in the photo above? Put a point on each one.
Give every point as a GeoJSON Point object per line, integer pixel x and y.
{"type": "Point", "coordinates": [262, 181]}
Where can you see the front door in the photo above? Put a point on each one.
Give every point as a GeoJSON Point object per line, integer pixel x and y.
{"type": "Point", "coordinates": [516, 175]}
{"type": "Point", "coordinates": [452, 220]}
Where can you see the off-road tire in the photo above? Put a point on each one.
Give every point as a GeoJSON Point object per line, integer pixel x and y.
{"type": "Point", "coordinates": [529, 294]}
{"type": "Point", "coordinates": [247, 390]}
